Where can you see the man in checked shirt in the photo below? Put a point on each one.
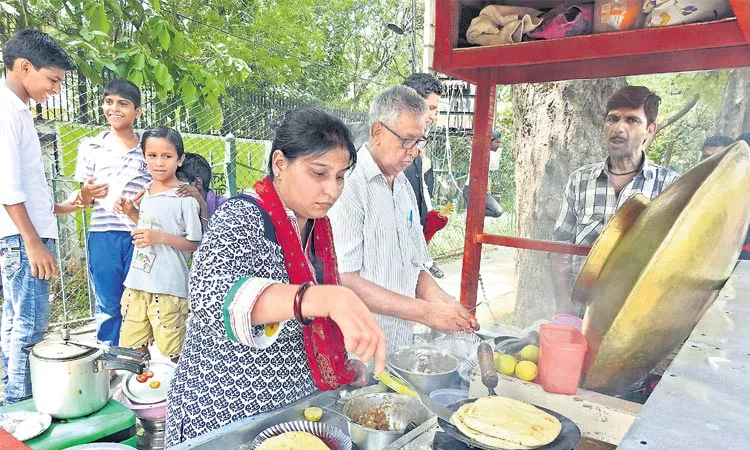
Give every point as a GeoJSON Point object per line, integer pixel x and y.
{"type": "Point", "coordinates": [595, 192]}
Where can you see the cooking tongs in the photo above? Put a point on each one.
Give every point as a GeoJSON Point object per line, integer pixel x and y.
{"type": "Point", "coordinates": [432, 405]}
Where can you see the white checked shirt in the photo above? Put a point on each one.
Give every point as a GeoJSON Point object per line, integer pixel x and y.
{"type": "Point", "coordinates": [22, 178]}
{"type": "Point", "coordinates": [590, 201]}
{"type": "Point", "coordinates": [377, 233]}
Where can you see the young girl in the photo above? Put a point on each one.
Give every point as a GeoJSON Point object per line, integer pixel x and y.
{"type": "Point", "coordinates": [154, 304]}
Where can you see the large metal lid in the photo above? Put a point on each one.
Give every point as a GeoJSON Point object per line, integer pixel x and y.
{"type": "Point", "coordinates": [665, 270]}
{"type": "Point", "coordinates": [60, 350]}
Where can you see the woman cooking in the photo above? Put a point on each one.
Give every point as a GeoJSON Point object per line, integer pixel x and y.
{"type": "Point", "coordinates": [269, 322]}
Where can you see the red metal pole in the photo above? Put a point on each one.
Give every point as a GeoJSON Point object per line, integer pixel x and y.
{"type": "Point", "coordinates": [484, 116]}
{"type": "Point", "coordinates": [741, 9]}
{"type": "Point", "coordinates": [533, 244]}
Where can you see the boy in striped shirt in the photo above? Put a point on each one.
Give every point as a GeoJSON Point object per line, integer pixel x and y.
{"type": "Point", "coordinates": [111, 165]}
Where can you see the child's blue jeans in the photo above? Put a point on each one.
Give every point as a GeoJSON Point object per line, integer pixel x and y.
{"type": "Point", "coordinates": [25, 314]}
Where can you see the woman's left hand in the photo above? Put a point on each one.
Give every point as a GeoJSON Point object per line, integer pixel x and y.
{"type": "Point", "coordinates": [361, 378]}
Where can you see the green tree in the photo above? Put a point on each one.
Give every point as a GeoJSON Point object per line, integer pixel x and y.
{"type": "Point", "coordinates": [195, 52]}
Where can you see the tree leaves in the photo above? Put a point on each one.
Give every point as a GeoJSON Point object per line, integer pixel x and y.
{"type": "Point", "coordinates": [97, 17]}
{"type": "Point", "coordinates": [164, 38]}
{"type": "Point", "coordinates": [318, 49]}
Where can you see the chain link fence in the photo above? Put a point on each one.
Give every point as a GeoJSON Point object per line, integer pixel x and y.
{"type": "Point", "coordinates": [449, 151]}
{"type": "Point", "coordinates": [235, 146]}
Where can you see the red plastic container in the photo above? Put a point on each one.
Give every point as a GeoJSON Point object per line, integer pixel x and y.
{"type": "Point", "coordinates": [561, 353]}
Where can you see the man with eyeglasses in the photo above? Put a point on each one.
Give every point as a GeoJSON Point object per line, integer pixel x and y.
{"type": "Point", "coordinates": [381, 249]}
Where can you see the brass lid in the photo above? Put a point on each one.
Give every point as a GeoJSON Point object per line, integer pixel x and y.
{"type": "Point", "coordinates": [664, 271]}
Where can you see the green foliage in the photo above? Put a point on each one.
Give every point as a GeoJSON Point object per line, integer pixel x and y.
{"type": "Point", "coordinates": [686, 136]}
{"type": "Point", "coordinates": [194, 51]}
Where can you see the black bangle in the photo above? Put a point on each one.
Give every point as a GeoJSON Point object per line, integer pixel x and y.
{"type": "Point", "coordinates": [298, 303]}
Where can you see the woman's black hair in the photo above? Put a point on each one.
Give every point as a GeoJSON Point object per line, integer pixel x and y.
{"type": "Point", "coordinates": [310, 132]}
{"type": "Point", "coordinates": [173, 136]}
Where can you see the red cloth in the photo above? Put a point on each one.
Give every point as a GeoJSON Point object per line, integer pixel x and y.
{"type": "Point", "coordinates": [8, 442]}
{"type": "Point", "coordinates": [324, 342]}
{"type": "Point", "coordinates": [434, 222]}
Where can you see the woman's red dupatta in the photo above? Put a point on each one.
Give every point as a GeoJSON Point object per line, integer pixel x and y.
{"type": "Point", "coordinates": [324, 343]}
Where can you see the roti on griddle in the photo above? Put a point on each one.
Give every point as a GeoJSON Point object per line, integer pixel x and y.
{"type": "Point", "coordinates": [511, 420]}
{"type": "Point", "coordinates": [483, 438]}
{"type": "Point", "coordinates": [293, 440]}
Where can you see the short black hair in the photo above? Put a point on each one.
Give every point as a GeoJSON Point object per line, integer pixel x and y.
{"type": "Point", "coordinates": [424, 83]}
{"type": "Point", "coordinates": [717, 141]}
{"type": "Point", "coordinates": [308, 132]}
{"type": "Point", "coordinates": [195, 166]}
{"type": "Point", "coordinates": [743, 137]}
{"type": "Point", "coordinates": [124, 89]}
{"type": "Point", "coordinates": [173, 136]}
{"type": "Point", "coordinates": [41, 50]}
{"type": "Point", "coordinates": [634, 97]}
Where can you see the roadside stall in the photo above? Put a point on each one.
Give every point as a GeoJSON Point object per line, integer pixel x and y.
{"type": "Point", "coordinates": [622, 280]}
{"type": "Point", "coordinates": [568, 401]}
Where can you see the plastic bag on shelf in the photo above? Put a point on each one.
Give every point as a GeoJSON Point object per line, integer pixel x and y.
{"type": "Point", "coordinates": [567, 19]}
{"type": "Point", "coordinates": [616, 15]}
{"type": "Point", "coordinates": [663, 13]}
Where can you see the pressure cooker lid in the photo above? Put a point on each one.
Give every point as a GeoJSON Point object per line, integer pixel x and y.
{"type": "Point", "coordinates": [57, 349]}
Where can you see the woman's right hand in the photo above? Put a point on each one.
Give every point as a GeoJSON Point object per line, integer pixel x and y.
{"type": "Point", "coordinates": [362, 335]}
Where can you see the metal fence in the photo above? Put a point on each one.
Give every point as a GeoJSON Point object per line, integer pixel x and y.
{"type": "Point", "coordinates": [449, 151]}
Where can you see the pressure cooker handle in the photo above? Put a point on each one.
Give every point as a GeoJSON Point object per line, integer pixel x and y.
{"type": "Point", "coordinates": [112, 362]}
{"type": "Point", "coordinates": [127, 352]}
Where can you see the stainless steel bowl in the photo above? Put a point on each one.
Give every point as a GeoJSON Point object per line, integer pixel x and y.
{"type": "Point", "coordinates": [399, 409]}
{"type": "Point", "coordinates": [426, 369]}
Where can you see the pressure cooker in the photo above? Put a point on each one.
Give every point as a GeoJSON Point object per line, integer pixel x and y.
{"type": "Point", "coordinates": [70, 379]}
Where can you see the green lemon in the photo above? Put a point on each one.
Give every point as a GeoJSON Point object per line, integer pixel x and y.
{"type": "Point", "coordinates": [506, 364]}
{"type": "Point", "coordinates": [526, 371]}
{"type": "Point", "coordinates": [530, 353]}
{"type": "Point", "coordinates": [313, 413]}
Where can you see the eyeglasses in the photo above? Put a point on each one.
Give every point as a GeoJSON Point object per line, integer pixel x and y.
{"type": "Point", "coordinates": [407, 143]}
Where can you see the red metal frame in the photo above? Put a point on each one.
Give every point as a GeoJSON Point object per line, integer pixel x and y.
{"type": "Point", "coordinates": [701, 46]}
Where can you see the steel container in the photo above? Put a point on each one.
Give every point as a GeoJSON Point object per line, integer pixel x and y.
{"type": "Point", "coordinates": [426, 369]}
{"type": "Point", "coordinates": [401, 410]}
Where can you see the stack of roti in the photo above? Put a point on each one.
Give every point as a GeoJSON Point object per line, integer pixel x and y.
{"type": "Point", "coordinates": [505, 423]}
{"type": "Point", "coordinates": [293, 440]}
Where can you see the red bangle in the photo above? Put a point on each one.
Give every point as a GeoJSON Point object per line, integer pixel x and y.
{"type": "Point", "coordinates": [298, 303]}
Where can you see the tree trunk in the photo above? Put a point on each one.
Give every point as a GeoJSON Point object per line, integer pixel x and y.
{"type": "Point", "coordinates": [734, 116]}
{"type": "Point", "coordinates": [558, 128]}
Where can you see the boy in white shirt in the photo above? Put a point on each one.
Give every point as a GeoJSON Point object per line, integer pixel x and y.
{"type": "Point", "coordinates": [36, 66]}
